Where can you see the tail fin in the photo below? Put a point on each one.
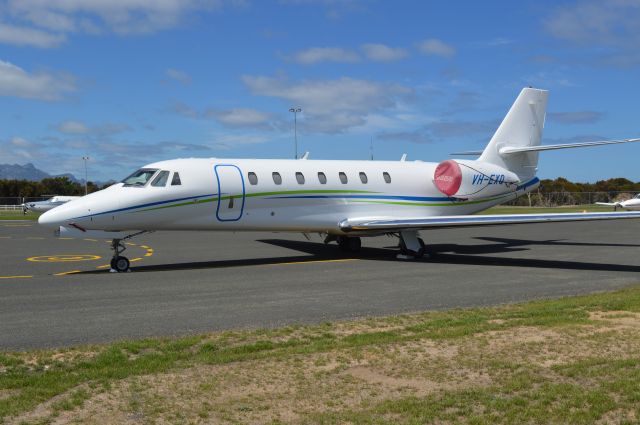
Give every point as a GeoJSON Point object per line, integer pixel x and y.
{"type": "Point", "coordinates": [521, 127]}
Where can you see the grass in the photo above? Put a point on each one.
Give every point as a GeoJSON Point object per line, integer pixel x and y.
{"type": "Point", "coordinates": [572, 360]}
{"type": "Point", "coordinates": [18, 215]}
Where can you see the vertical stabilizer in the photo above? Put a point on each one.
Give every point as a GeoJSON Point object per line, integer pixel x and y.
{"type": "Point", "coordinates": [521, 127]}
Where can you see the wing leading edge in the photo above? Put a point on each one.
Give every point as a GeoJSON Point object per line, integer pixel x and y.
{"type": "Point", "coordinates": [386, 224]}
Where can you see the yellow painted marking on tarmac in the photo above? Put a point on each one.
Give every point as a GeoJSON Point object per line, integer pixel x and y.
{"type": "Point", "coordinates": [5, 237]}
{"type": "Point", "coordinates": [17, 225]}
{"type": "Point", "coordinates": [66, 273]}
{"type": "Point", "coordinates": [130, 243]}
{"type": "Point", "coordinates": [91, 240]}
{"type": "Point", "coordinates": [342, 260]}
{"type": "Point", "coordinates": [35, 237]}
{"type": "Point", "coordinates": [64, 258]}
{"type": "Point", "coordinates": [135, 259]}
{"type": "Point", "coordinates": [145, 247]}
{"type": "Point", "coordinates": [148, 254]}
{"type": "Point", "coordinates": [66, 239]}
{"type": "Point", "coordinates": [16, 277]}
{"type": "Point", "coordinates": [104, 266]}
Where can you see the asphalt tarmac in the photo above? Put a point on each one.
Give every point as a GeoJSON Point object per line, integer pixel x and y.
{"type": "Point", "coordinates": [59, 292]}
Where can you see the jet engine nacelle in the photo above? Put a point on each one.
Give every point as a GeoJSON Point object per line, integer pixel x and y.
{"type": "Point", "coordinates": [473, 179]}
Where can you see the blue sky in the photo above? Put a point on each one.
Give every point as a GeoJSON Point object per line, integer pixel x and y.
{"type": "Point", "coordinates": [128, 82]}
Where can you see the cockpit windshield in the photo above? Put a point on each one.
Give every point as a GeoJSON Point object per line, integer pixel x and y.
{"type": "Point", "coordinates": [637, 196]}
{"type": "Point", "coordinates": [140, 177]}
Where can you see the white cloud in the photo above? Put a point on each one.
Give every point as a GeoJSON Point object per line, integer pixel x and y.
{"type": "Point", "coordinates": [72, 127]}
{"type": "Point", "coordinates": [596, 22]}
{"type": "Point", "coordinates": [330, 106]}
{"type": "Point", "coordinates": [435, 47]}
{"type": "Point", "coordinates": [230, 141]}
{"type": "Point", "coordinates": [16, 82]}
{"type": "Point", "coordinates": [179, 76]}
{"type": "Point", "coordinates": [325, 54]}
{"type": "Point", "coordinates": [608, 31]}
{"type": "Point", "coordinates": [121, 16]}
{"type": "Point", "coordinates": [240, 117]}
{"type": "Point", "coordinates": [102, 130]}
{"type": "Point", "coordinates": [23, 36]}
{"type": "Point", "coordinates": [383, 53]}
{"type": "Point", "coordinates": [20, 142]}
{"type": "Point", "coordinates": [45, 23]}
{"type": "Point", "coordinates": [576, 117]}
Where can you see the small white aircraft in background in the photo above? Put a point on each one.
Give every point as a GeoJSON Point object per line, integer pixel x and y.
{"type": "Point", "coordinates": [344, 200]}
{"type": "Point", "coordinates": [42, 206]}
{"type": "Point", "coordinates": [632, 204]}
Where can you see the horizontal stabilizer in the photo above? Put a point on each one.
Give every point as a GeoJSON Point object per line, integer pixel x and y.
{"type": "Point", "coordinates": [506, 150]}
{"type": "Point", "coordinates": [369, 224]}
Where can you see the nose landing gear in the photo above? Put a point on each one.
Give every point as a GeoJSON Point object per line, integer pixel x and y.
{"type": "Point", "coordinates": [119, 263]}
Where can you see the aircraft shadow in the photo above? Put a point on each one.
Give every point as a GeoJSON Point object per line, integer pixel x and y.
{"type": "Point", "coordinates": [555, 242]}
{"type": "Point", "coordinates": [478, 254]}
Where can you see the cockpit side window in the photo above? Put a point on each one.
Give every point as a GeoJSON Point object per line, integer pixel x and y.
{"type": "Point", "coordinates": [161, 179]}
{"type": "Point", "coordinates": [175, 181]}
{"type": "Point", "coordinates": [140, 177]}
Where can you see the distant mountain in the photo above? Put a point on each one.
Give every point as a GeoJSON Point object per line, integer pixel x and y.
{"type": "Point", "coordinates": [29, 172]}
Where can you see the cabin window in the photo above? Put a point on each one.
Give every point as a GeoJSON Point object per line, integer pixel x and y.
{"type": "Point", "coordinates": [277, 178]}
{"type": "Point", "coordinates": [161, 179]}
{"type": "Point", "coordinates": [343, 177]}
{"type": "Point", "coordinates": [175, 181]}
{"type": "Point", "coordinates": [253, 179]}
{"type": "Point", "coordinates": [140, 177]}
{"type": "Point", "coordinates": [387, 177]}
{"type": "Point", "coordinates": [322, 178]}
{"type": "Point", "coordinates": [363, 177]}
{"type": "Point", "coordinates": [299, 177]}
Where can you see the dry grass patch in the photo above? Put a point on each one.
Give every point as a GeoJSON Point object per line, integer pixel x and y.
{"type": "Point", "coordinates": [573, 360]}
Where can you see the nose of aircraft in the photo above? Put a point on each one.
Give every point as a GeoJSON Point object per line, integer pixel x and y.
{"type": "Point", "coordinates": [51, 218]}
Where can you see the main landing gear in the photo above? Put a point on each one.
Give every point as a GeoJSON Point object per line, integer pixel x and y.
{"type": "Point", "coordinates": [412, 247]}
{"type": "Point", "coordinates": [349, 244]}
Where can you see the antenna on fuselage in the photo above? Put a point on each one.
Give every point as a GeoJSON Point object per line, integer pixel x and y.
{"type": "Point", "coordinates": [404, 157]}
{"type": "Point", "coordinates": [371, 147]}
{"type": "Point", "coordinates": [305, 156]}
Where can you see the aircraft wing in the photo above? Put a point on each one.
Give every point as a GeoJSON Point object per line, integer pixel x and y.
{"type": "Point", "coordinates": [394, 224]}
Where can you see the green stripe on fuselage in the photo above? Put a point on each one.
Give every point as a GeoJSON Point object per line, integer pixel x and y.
{"type": "Point", "coordinates": [429, 204]}
{"type": "Point", "coordinates": [251, 195]}
{"type": "Point", "coordinates": [312, 192]}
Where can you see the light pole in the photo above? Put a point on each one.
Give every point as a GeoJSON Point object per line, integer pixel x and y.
{"type": "Point", "coordinates": [85, 159]}
{"type": "Point", "coordinates": [295, 126]}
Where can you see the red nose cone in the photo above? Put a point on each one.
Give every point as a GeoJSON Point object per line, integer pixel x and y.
{"type": "Point", "coordinates": [448, 177]}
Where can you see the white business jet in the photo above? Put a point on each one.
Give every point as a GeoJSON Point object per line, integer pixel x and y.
{"type": "Point", "coordinates": [42, 206]}
{"type": "Point", "coordinates": [344, 200]}
{"type": "Point", "coordinates": [632, 204]}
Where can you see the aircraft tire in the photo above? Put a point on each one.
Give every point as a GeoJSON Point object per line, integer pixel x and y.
{"type": "Point", "coordinates": [349, 244]}
{"type": "Point", "coordinates": [404, 251]}
{"type": "Point", "coordinates": [120, 264]}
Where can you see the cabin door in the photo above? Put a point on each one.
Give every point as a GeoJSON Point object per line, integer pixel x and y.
{"type": "Point", "coordinates": [230, 192]}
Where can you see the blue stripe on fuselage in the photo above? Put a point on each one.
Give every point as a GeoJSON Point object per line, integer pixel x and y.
{"type": "Point", "coordinates": [150, 204]}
